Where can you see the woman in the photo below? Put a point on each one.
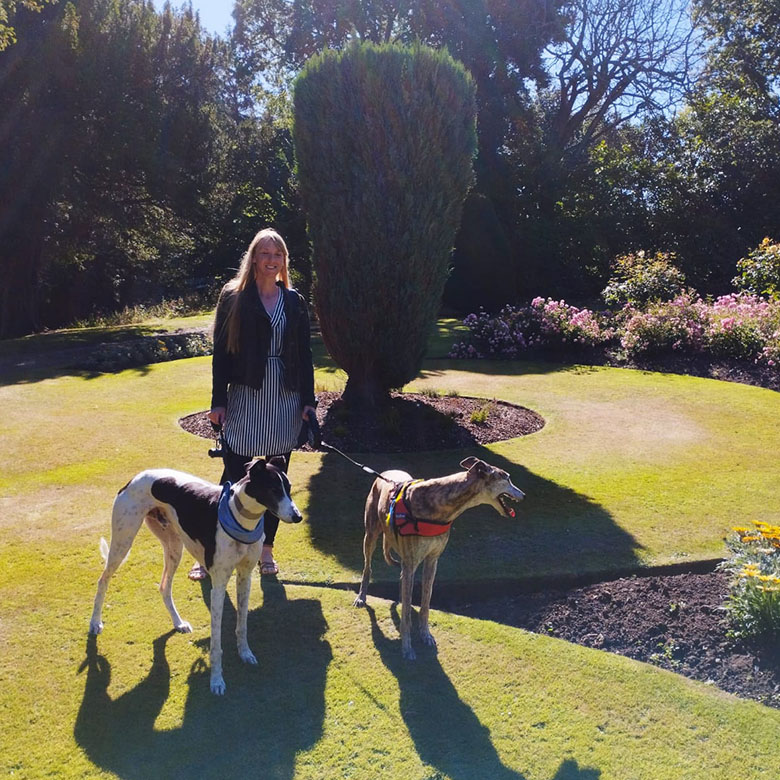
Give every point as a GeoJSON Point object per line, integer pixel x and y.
{"type": "Point", "coordinates": [262, 372]}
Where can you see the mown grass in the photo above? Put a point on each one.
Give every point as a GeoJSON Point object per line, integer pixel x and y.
{"type": "Point", "coordinates": [331, 696]}
{"type": "Point", "coordinates": [630, 469]}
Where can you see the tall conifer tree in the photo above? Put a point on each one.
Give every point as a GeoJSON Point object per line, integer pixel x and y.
{"type": "Point", "coordinates": [384, 136]}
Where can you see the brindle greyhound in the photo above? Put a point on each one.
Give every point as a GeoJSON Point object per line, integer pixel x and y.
{"type": "Point", "coordinates": [434, 502]}
{"type": "Point", "coordinates": [184, 511]}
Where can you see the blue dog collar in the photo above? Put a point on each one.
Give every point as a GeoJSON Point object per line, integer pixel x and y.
{"type": "Point", "coordinates": [231, 526]}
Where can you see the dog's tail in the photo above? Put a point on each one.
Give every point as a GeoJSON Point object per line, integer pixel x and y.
{"type": "Point", "coordinates": [104, 551]}
{"type": "Point", "coordinates": [386, 551]}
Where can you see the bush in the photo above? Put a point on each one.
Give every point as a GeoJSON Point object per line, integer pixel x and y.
{"type": "Point", "coordinates": [384, 137]}
{"type": "Point", "coordinates": [671, 326]}
{"type": "Point", "coordinates": [640, 278]}
{"type": "Point", "coordinates": [545, 325]}
{"type": "Point", "coordinates": [759, 272]}
{"type": "Point", "coordinates": [145, 350]}
{"type": "Point", "coordinates": [753, 602]}
{"type": "Point", "coordinates": [743, 326]}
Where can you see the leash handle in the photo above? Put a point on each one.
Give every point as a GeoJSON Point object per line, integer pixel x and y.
{"type": "Point", "coordinates": [218, 450]}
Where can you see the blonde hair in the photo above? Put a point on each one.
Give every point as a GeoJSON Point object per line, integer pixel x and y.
{"type": "Point", "coordinates": [245, 277]}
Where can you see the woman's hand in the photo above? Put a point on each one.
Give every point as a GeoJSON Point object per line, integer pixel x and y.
{"type": "Point", "coordinates": [307, 410]}
{"type": "Point", "coordinates": [217, 415]}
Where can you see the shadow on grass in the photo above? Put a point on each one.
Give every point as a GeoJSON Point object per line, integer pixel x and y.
{"type": "Point", "coordinates": [269, 714]}
{"type": "Point", "coordinates": [37, 368]}
{"type": "Point", "coordinates": [557, 532]}
{"type": "Point", "coordinates": [62, 353]}
{"type": "Point", "coordinates": [446, 732]}
{"type": "Point", "coordinates": [435, 367]}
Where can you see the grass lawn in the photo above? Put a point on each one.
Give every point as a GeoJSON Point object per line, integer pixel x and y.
{"type": "Point", "coordinates": [630, 469]}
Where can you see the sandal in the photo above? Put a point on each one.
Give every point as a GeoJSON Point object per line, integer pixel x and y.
{"type": "Point", "coordinates": [197, 572]}
{"type": "Point", "coordinates": [269, 568]}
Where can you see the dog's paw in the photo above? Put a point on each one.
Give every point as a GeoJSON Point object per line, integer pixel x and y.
{"type": "Point", "coordinates": [408, 654]}
{"type": "Point", "coordinates": [427, 638]}
{"type": "Point", "coordinates": [184, 627]}
{"type": "Point", "coordinates": [247, 656]}
{"type": "Point", "coordinates": [95, 628]}
{"type": "Point", "coordinates": [359, 602]}
{"type": "Point", "coordinates": [218, 687]}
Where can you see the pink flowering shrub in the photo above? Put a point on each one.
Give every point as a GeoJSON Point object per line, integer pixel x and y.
{"type": "Point", "coordinates": [745, 326]}
{"type": "Point", "coordinates": [741, 326]}
{"type": "Point", "coordinates": [544, 324]}
{"type": "Point", "coordinates": [678, 325]}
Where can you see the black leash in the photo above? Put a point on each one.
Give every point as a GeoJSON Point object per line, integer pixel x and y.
{"type": "Point", "coordinates": [315, 440]}
{"type": "Point", "coordinates": [367, 469]}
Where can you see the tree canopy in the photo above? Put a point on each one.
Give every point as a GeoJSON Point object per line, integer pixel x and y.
{"type": "Point", "coordinates": [138, 154]}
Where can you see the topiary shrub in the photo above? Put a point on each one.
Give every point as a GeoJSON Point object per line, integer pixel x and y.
{"type": "Point", "coordinates": [639, 278]}
{"type": "Point", "coordinates": [384, 138]}
{"type": "Point", "coordinates": [759, 272]}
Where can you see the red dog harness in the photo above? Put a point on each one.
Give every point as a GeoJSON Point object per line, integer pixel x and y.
{"type": "Point", "coordinates": [403, 522]}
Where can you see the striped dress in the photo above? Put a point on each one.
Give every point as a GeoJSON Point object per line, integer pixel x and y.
{"type": "Point", "coordinates": [266, 421]}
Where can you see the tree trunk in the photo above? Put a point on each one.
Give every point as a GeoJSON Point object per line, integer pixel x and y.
{"type": "Point", "coordinates": [364, 394]}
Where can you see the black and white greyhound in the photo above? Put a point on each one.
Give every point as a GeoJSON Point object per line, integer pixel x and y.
{"type": "Point", "coordinates": [185, 511]}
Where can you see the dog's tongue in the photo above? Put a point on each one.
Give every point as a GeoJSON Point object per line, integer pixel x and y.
{"type": "Point", "coordinates": [511, 512]}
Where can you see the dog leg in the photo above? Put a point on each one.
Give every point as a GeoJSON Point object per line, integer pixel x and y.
{"type": "Point", "coordinates": [428, 576]}
{"type": "Point", "coordinates": [243, 587]}
{"type": "Point", "coordinates": [407, 584]}
{"type": "Point", "coordinates": [172, 550]}
{"type": "Point", "coordinates": [369, 545]}
{"type": "Point", "coordinates": [124, 527]}
{"type": "Point", "coordinates": [219, 584]}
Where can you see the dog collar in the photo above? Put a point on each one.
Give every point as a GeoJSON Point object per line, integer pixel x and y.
{"type": "Point", "coordinates": [403, 522]}
{"type": "Point", "coordinates": [231, 526]}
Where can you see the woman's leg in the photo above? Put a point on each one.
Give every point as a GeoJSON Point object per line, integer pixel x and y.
{"type": "Point", "coordinates": [234, 469]}
{"type": "Point", "coordinates": [267, 563]}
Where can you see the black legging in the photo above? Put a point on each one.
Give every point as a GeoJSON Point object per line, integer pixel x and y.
{"type": "Point", "coordinates": [235, 469]}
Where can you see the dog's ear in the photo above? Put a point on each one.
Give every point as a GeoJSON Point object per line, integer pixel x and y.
{"type": "Point", "coordinates": [476, 465]}
{"type": "Point", "coordinates": [277, 461]}
{"type": "Point", "coordinates": [257, 463]}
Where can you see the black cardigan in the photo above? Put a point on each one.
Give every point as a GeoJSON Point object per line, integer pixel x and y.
{"type": "Point", "coordinates": [247, 366]}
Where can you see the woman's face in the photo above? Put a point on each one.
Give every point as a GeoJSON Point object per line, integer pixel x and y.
{"type": "Point", "coordinates": [268, 260]}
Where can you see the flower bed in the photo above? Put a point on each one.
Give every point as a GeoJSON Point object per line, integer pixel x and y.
{"type": "Point", "coordinates": [739, 326]}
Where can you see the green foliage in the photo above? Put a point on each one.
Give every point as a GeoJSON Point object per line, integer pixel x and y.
{"type": "Point", "coordinates": [7, 11]}
{"type": "Point", "coordinates": [481, 415]}
{"type": "Point", "coordinates": [384, 137]}
{"type": "Point", "coordinates": [145, 350]}
{"type": "Point", "coordinates": [753, 602]}
{"type": "Point", "coordinates": [759, 272]}
{"type": "Point", "coordinates": [639, 278]}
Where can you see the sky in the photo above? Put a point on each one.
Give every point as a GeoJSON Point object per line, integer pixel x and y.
{"type": "Point", "coordinates": [214, 14]}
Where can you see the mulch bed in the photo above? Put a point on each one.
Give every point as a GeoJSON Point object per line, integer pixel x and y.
{"type": "Point", "coordinates": [674, 621]}
{"type": "Point", "coordinates": [412, 422]}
